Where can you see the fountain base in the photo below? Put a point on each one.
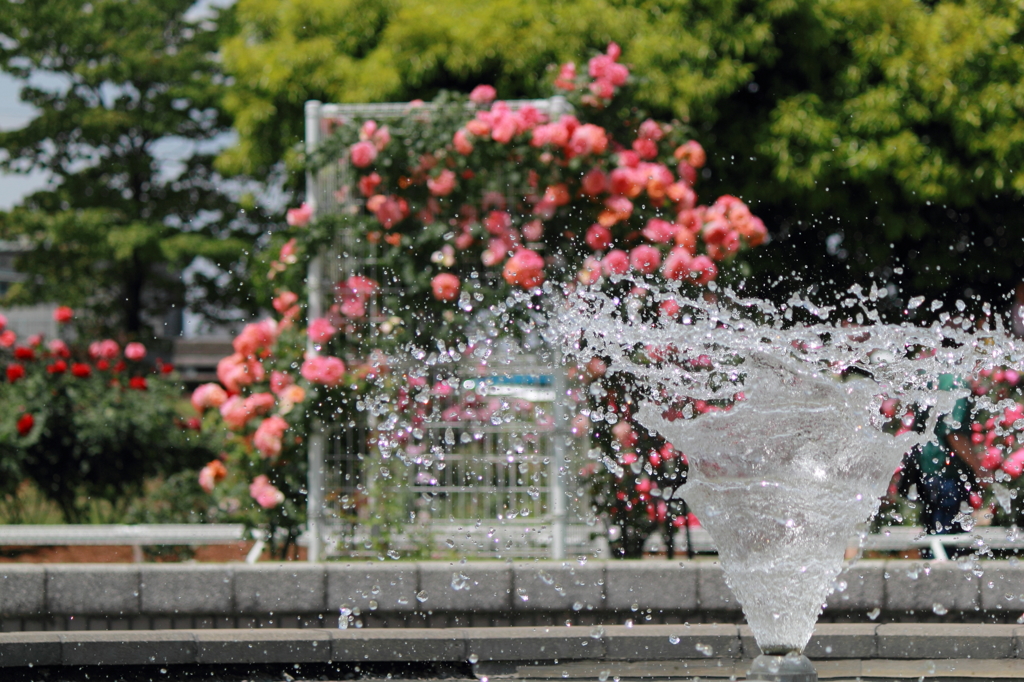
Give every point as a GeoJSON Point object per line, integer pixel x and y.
{"type": "Point", "coordinates": [792, 667]}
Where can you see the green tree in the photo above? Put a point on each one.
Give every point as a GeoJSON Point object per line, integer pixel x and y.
{"type": "Point", "coordinates": [113, 81]}
{"type": "Point", "coordinates": [877, 137]}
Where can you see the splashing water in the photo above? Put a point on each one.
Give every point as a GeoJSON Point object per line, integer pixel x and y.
{"type": "Point", "coordinates": [777, 409]}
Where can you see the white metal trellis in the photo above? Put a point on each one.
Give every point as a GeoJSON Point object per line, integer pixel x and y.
{"type": "Point", "coordinates": [499, 485]}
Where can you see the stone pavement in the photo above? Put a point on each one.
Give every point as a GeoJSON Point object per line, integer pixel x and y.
{"type": "Point", "coordinates": [535, 651]}
{"type": "Point", "coordinates": [485, 593]}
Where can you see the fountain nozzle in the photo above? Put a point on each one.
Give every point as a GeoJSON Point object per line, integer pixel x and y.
{"type": "Point", "coordinates": [793, 667]}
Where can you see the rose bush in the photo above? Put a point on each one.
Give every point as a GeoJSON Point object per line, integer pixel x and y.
{"type": "Point", "coordinates": [88, 421]}
{"type": "Point", "coordinates": [472, 209]}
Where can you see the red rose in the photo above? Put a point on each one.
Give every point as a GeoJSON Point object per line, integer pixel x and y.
{"type": "Point", "coordinates": [80, 370]}
{"type": "Point", "coordinates": [22, 353]}
{"type": "Point", "coordinates": [138, 383]}
{"type": "Point", "coordinates": [25, 424]}
{"type": "Point", "coordinates": [63, 314]}
{"type": "Point", "coordinates": [58, 367]}
{"type": "Point", "coordinates": [15, 372]}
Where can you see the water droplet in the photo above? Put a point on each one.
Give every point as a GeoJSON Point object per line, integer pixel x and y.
{"type": "Point", "coordinates": [874, 613]}
{"type": "Point", "coordinates": [673, 639]}
{"type": "Point", "coordinates": [939, 610]}
{"type": "Point", "coordinates": [421, 596]}
{"type": "Point", "coordinates": [603, 675]}
{"type": "Point", "coordinates": [522, 594]}
{"type": "Point", "coordinates": [373, 604]}
{"type": "Point", "coordinates": [473, 658]}
{"type": "Point", "coordinates": [459, 581]}
{"type": "Point", "coordinates": [705, 649]}
{"type": "Point", "coordinates": [597, 632]}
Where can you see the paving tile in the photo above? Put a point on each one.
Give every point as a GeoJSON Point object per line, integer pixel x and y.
{"type": "Point", "coordinates": [927, 587]}
{"type": "Point", "coordinates": [168, 647]}
{"type": "Point", "coordinates": [262, 646]}
{"type": "Point", "coordinates": [455, 586]}
{"type": "Point", "coordinates": [941, 640]}
{"type": "Point", "coordinates": [199, 589]}
{"type": "Point", "coordinates": [262, 589]}
{"type": "Point", "coordinates": [671, 642]}
{"type": "Point", "coordinates": [533, 644]}
{"type": "Point", "coordinates": [558, 586]}
{"type": "Point", "coordinates": [658, 585]}
{"type": "Point", "coordinates": [92, 589]}
{"type": "Point", "coordinates": [22, 649]}
{"type": "Point", "coordinates": [22, 590]}
{"type": "Point", "coordinates": [398, 644]}
{"type": "Point", "coordinates": [372, 587]}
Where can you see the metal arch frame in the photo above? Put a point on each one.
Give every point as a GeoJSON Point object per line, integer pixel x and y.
{"type": "Point", "coordinates": [316, 113]}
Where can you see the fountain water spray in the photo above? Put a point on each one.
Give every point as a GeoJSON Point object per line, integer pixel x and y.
{"type": "Point", "coordinates": [796, 457]}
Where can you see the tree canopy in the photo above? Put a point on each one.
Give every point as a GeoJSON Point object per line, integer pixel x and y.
{"type": "Point", "coordinates": [112, 82]}
{"type": "Point", "coordinates": [879, 138]}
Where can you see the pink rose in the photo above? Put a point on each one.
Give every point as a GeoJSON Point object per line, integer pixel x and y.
{"type": "Point", "coordinates": [362, 154]}
{"type": "Point", "coordinates": [504, 126]}
{"type": "Point", "coordinates": [588, 139]}
{"type": "Point", "coordinates": [7, 338]}
{"type": "Point", "coordinates": [256, 337]}
{"type": "Point", "coordinates": [285, 301]}
{"type": "Point", "coordinates": [62, 315]}
{"type": "Point", "coordinates": [703, 270]}
{"type": "Point", "coordinates": [1014, 464]}
{"type": "Point", "coordinates": [235, 413]}
{"type": "Point", "coordinates": [264, 492]}
{"type": "Point", "coordinates": [524, 269]}
{"type": "Point", "coordinates": [368, 184]}
{"type": "Point", "coordinates": [445, 286]}
{"type": "Point", "coordinates": [615, 262]}
{"type": "Point", "coordinates": [59, 348]}
{"type": "Point", "coordinates": [443, 184]}
{"type": "Point", "coordinates": [3, 322]}
{"type": "Point", "coordinates": [645, 259]}
{"type": "Point", "coordinates": [259, 403]}
{"type": "Point", "coordinates": [236, 371]}
{"type": "Point", "coordinates": [135, 351]}
{"type": "Point", "coordinates": [659, 231]}
{"type": "Point", "coordinates": [267, 438]}
{"type": "Point", "coordinates": [208, 395]}
{"type": "Point", "coordinates": [650, 130]}
{"type": "Point", "coordinates": [211, 474]}
{"type": "Point", "coordinates": [691, 153]}
{"type": "Point", "coordinates": [321, 330]}
{"type": "Point", "coordinates": [323, 369]}
{"type": "Point", "coordinates": [462, 143]}
{"type": "Point", "coordinates": [299, 217]}
{"type": "Point", "coordinates": [104, 350]}
{"type": "Point", "coordinates": [483, 94]}
{"type": "Point", "coordinates": [566, 77]}
{"type": "Point", "coordinates": [279, 381]}
{"type": "Point", "coordinates": [677, 264]}
{"type": "Point", "coordinates": [594, 182]}
{"type": "Point", "coordinates": [598, 237]}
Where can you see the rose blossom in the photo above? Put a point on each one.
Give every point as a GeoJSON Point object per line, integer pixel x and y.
{"type": "Point", "coordinates": [135, 351]}
{"type": "Point", "coordinates": [299, 217]}
{"type": "Point", "coordinates": [284, 301]}
{"type": "Point", "coordinates": [677, 264]}
{"type": "Point", "coordinates": [443, 184]}
{"type": "Point", "coordinates": [236, 371]}
{"type": "Point", "coordinates": [659, 231]}
{"type": "Point", "coordinates": [256, 337]}
{"type": "Point", "coordinates": [14, 372]}
{"type": "Point", "coordinates": [25, 424]}
{"type": "Point", "coordinates": [524, 269]}
{"type": "Point", "coordinates": [323, 369]}
{"type": "Point", "coordinates": [267, 438]}
{"type": "Point", "coordinates": [105, 350]}
{"type": "Point", "coordinates": [279, 381]}
{"type": "Point", "coordinates": [259, 403]}
{"type": "Point", "coordinates": [483, 94]}
{"type": "Point", "coordinates": [692, 153]}
{"type": "Point", "coordinates": [59, 348]}
{"type": "Point", "coordinates": [264, 492]}
{"type": "Point", "coordinates": [321, 330]}
{"type": "Point", "coordinates": [445, 286]}
{"type": "Point", "coordinates": [598, 237]}
{"type": "Point", "coordinates": [702, 269]}
{"type": "Point", "coordinates": [62, 314]}
{"type": "Point", "coordinates": [615, 262]}
{"type": "Point", "coordinates": [645, 259]}
{"type": "Point", "coordinates": [588, 139]}
{"type": "Point", "coordinates": [362, 154]}
{"type": "Point", "coordinates": [462, 143]}
{"type": "Point", "coordinates": [208, 395]}
{"type": "Point", "coordinates": [235, 413]}
{"type": "Point", "coordinates": [212, 474]}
